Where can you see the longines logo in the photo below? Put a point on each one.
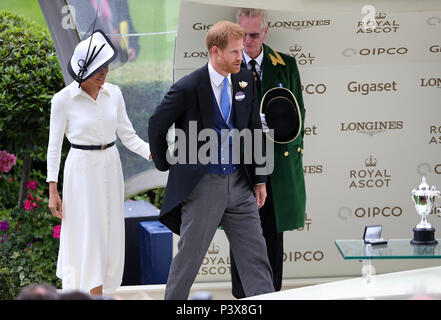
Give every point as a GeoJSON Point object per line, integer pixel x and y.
{"type": "Point", "coordinates": [313, 169]}
{"type": "Point", "coordinates": [350, 52]}
{"type": "Point", "coordinates": [299, 25]}
{"type": "Point", "coordinates": [302, 57]}
{"type": "Point", "coordinates": [312, 88]}
{"type": "Point", "coordinates": [436, 48]}
{"type": "Point", "coordinates": [345, 213]}
{"type": "Point", "coordinates": [431, 82]}
{"type": "Point", "coordinates": [370, 176]}
{"type": "Point", "coordinates": [371, 127]}
{"type": "Point", "coordinates": [378, 25]}
{"type": "Point", "coordinates": [199, 26]}
{"type": "Point", "coordinates": [213, 263]}
{"type": "Point", "coordinates": [435, 135]}
{"type": "Point", "coordinates": [366, 88]}
{"type": "Point", "coordinates": [196, 55]}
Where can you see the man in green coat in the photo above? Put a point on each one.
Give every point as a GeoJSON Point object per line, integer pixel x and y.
{"type": "Point", "coordinates": [285, 204]}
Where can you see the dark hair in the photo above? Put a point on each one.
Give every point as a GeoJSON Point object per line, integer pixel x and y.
{"type": "Point", "coordinates": [41, 291]}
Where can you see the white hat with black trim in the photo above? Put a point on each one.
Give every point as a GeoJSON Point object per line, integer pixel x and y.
{"type": "Point", "coordinates": [90, 56]}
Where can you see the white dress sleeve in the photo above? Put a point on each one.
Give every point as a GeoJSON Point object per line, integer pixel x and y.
{"type": "Point", "coordinates": [127, 134]}
{"type": "Point", "coordinates": [57, 129]}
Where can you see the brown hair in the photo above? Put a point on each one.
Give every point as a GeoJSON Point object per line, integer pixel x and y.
{"type": "Point", "coordinates": [220, 33]}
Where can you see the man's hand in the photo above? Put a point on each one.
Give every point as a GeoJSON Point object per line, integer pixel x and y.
{"type": "Point", "coordinates": [260, 194]}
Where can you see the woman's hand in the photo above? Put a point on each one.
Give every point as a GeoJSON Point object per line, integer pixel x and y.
{"type": "Point", "coordinates": [55, 201]}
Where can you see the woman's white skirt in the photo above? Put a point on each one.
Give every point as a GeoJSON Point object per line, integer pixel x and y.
{"type": "Point", "coordinates": [92, 236]}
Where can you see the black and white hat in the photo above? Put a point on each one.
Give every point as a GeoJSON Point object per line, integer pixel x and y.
{"type": "Point", "coordinates": [90, 56]}
{"type": "Point", "coordinates": [282, 114]}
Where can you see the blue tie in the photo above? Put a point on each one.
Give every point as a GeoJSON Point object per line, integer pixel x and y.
{"type": "Point", "coordinates": [225, 100]}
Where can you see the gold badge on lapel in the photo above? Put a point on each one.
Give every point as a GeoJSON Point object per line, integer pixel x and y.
{"type": "Point", "coordinates": [243, 84]}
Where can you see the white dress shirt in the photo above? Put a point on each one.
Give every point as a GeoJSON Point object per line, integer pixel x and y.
{"type": "Point", "coordinates": [86, 121]}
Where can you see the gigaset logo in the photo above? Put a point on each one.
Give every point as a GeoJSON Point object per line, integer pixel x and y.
{"type": "Point", "coordinates": [436, 48]}
{"type": "Point", "coordinates": [199, 26]}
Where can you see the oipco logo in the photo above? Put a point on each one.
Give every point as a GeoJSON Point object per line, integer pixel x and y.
{"type": "Point", "coordinates": [435, 134]}
{"type": "Point", "coordinates": [346, 213]}
{"type": "Point", "coordinates": [370, 176]}
{"type": "Point", "coordinates": [303, 256]}
{"type": "Point", "coordinates": [433, 21]}
{"type": "Point", "coordinates": [350, 52]}
{"type": "Point", "coordinates": [424, 169]}
{"type": "Point", "coordinates": [313, 88]}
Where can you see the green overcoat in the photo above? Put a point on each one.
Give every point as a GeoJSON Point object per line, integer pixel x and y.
{"type": "Point", "coordinates": [287, 179]}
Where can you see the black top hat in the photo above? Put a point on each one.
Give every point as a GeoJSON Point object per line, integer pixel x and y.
{"type": "Point", "coordinates": [282, 114]}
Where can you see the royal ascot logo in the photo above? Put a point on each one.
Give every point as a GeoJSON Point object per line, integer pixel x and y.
{"type": "Point", "coordinates": [196, 55]}
{"type": "Point", "coordinates": [371, 127]}
{"type": "Point", "coordinates": [213, 263]}
{"type": "Point", "coordinates": [378, 25]}
{"type": "Point", "coordinates": [299, 25]}
{"type": "Point", "coordinates": [350, 52]}
{"type": "Point", "coordinates": [307, 226]}
{"type": "Point", "coordinates": [312, 88]}
{"type": "Point", "coordinates": [366, 88]}
{"type": "Point", "coordinates": [436, 48]}
{"type": "Point", "coordinates": [199, 26]}
{"type": "Point", "coordinates": [370, 176]}
{"type": "Point", "coordinates": [430, 82]}
{"type": "Point", "coordinates": [346, 213]}
{"type": "Point", "coordinates": [435, 135]}
{"type": "Point", "coordinates": [302, 57]}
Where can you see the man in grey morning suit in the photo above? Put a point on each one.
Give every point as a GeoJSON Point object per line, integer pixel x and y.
{"type": "Point", "coordinates": [200, 197]}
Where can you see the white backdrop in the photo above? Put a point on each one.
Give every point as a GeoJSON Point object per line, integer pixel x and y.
{"type": "Point", "coordinates": [372, 128]}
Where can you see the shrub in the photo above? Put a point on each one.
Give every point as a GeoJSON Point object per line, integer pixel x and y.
{"type": "Point", "coordinates": [29, 76]}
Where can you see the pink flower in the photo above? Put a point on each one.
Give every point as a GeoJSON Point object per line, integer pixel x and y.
{"type": "Point", "coordinates": [7, 160]}
{"type": "Point", "coordinates": [30, 197]}
{"type": "Point", "coordinates": [27, 205]}
{"type": "Point", "coordinates": [32, 185]}
{"type": "Point", "coordinates": [11, 179]}
{"type": "Point", "coordinates": [57, 230]}
{"type": "Point", "coordinates": [34, 204]}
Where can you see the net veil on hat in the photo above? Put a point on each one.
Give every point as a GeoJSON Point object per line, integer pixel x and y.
{"type": "Point", "coordinates": [282, 114]}
{"type": "Point", "coordinates": [91, 55]}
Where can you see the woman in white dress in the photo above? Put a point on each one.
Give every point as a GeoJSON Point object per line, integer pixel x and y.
{"type": "Point", "coordinates": [90, 112]}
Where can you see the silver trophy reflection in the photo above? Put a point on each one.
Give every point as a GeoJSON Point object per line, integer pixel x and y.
{"type": "Point", "coordinates": [424, 200]}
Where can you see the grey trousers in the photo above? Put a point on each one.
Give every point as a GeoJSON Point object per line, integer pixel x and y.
{"type": "Point", "coordinates": [225, 200]}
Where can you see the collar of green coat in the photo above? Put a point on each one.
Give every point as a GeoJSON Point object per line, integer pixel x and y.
{"type": "Point", "coordinates": [272, 57]}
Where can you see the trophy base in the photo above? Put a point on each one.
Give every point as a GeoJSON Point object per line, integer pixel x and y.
{"type": "Point", "coordinates": [423, 236]}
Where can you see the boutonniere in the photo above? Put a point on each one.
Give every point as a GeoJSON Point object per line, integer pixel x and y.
{"type": "Point", "coordinates": [243, 84]}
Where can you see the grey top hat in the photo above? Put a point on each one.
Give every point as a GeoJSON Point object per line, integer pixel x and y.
{"type": "Point", "coordinates": [90, 56]}
{"type": "Point", "coordinates": [282, 114]}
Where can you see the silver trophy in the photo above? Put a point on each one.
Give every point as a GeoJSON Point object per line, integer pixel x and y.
{"type": "Point", "coordinates": [424, 200]}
